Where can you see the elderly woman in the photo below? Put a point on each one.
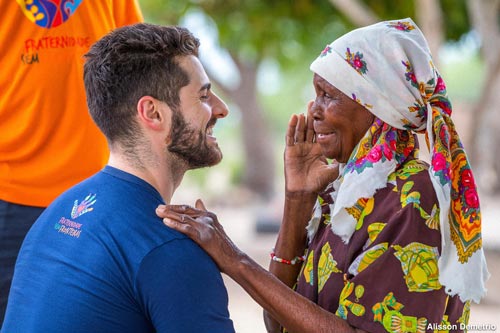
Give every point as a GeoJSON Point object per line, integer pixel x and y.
{"type": "Point", "coordinates": [393, 244]}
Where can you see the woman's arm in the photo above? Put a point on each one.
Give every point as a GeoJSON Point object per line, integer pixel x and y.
{"type": "Point", "coordinates": [291, 242]}
{"type": "Point", "coordinates": [306, 173]}
{"type": "Point", "coordinates": [292, 310]}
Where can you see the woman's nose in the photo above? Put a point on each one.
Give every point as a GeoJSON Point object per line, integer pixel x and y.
{"type": "Point", "coordinates": [316, 111]}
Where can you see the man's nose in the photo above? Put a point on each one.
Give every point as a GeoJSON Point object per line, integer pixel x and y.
{"type": "Point", "coordinates": [219, 108]}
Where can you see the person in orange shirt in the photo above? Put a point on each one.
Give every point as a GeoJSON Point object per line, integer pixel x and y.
{"type": "Point", "coordinates": [48, 141]}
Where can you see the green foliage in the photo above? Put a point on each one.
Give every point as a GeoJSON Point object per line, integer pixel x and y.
{"type": "Point", "coordinates": [253, 30]}
{"type": "Point", "coordinates": [277, 29]}
{"type": "Point", "coordinates": [288, 30]}
{"type": "Point", "coordinates": [291, 32]}
{"type": "Point", "coordinates": [295, 91]}
{"type": "Point", "coordinates": [164, 11]}
{"type": "Point", "coordinates": [464, 77]}
{"type": "Point", "coordinates": [456, 18]}
{"type": "Point", "coordinates": [390, 9]}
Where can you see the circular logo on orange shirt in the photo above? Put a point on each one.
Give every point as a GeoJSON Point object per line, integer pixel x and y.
{"type": "Point", "coordinates": [48, 13]}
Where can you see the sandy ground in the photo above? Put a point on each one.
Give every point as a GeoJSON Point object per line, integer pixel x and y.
{"type": "Point", "coordinates": [240, 224]}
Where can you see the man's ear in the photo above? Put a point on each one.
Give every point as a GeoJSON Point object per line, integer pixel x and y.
{"type": "Point", "coordinates": [152, 113]}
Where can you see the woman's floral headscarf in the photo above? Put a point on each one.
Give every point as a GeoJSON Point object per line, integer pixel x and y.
{"type": "Point", "coordinates": [387, 67]}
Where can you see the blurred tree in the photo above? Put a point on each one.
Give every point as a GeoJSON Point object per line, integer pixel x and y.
{"type": "Point", "coordinates": [485, 127]}
{"type": "Point", "coordinates": [451, 24]}
{"type": "Point", "coordinates": [429, 16]}
{"type": "Point", "coordinates": [292, 32]}
{"type": "Point", "coordinates": [253, 31]}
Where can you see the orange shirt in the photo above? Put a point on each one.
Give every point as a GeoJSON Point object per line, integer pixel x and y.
{"type": "Point", "coordinates": [48, 142]}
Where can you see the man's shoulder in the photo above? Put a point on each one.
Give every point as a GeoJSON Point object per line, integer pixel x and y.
{"type": "Point", "coordinates": [77, 201]}
{"type": "Point", "coordinates": [104, 210]}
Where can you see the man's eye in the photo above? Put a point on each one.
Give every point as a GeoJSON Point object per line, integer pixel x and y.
{"type": "Point", "coordinates": [204, 97]}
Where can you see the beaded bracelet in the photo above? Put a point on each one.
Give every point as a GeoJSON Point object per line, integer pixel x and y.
{"type": "Point", "coordinates": [293, 261]}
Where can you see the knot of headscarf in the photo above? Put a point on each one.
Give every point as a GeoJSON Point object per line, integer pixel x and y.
{"type": "Point", "coordinates": [387, 67]}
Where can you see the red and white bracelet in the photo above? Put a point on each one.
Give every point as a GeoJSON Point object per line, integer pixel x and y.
{"type": "Point", "coordinates": [296, 260]}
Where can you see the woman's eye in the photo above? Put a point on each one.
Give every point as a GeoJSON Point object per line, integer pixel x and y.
{"type": "Point", "coordinates": [204, 97]}
{"type": "Point", "coordinates": [332, 97]}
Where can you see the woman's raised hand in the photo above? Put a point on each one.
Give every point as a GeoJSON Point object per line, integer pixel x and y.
{"type": "Point", "coordinates": [306, 169]}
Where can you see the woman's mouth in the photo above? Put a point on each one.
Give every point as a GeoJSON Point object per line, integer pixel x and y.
{"type": "Point", "coordinates": [324, 137]}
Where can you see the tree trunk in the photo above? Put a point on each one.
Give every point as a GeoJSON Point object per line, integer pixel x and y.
{"type": "Point", "coordinates": [430, 17]}
{"type": "Point", "coordinates": [356, 11]}
{"type": "Point", "coordinates": [484, 17]}
{"type": "Point", "coordinates": [493, 122]}
{"type": "Point", "coordinates": [259, 170]}
{"type": "Point", "coordinates": [485, 127]}
{"type": "Point", "coordinates": [258, 146]}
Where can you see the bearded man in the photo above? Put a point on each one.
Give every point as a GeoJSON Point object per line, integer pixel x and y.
{"type": "Point", "coordinates": [99, 259]}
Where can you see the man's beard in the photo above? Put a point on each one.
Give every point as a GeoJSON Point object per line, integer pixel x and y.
{"type": "Point", "coordinates": [190, 145]}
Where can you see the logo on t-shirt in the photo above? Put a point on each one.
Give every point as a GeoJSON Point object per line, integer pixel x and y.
{"type": "Point", "coordinates": [49, 13]}
{"type": "Point", "coordinates": [70, 227]}
{"type": "Point", "coordinates": [83, 207]}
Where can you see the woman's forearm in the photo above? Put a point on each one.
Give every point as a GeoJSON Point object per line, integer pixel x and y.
{"type": "Point", "coordinates": [292, 310]}
{"type": "Point", "coordinates": [292, 237]}
{"type": "Point", "coordinates": [291, 242]}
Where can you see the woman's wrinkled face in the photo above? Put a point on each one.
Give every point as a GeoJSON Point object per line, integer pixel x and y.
{"type": "Point", "coordinates": [339, 122]}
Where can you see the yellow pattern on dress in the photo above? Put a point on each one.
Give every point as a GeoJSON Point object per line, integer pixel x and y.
{"type": "Point", "coordinates": [432, 221]}
{"type": "Point", "coordinates": [419, 264]}
{"type": "Point", "coordinates": [388, 313]}
{"type": "Point", "coordinates": [464, 318]}
{"type": "Point", "coordinates": [374, 229]}
{"type": "Point", "coordinates": [408, 197]}
{"type": "Point", "coordinates": [309, 268]}
{"type": "Point", "coordinates": [444, 324]}
{"type": "Point", "coordinates": [345, 304]}
{"type": "Point", "coordinates": [326, 266]}
{"type": "Point", "coordinates": [366, 211]}
{"type": "Point", "coordinates": [369, 256]}
{"type": "Point", "coordinates": [360, 210]}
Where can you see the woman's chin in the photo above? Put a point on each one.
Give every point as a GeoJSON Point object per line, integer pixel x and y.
{"type": "Point", "coordinates": [330, 156]}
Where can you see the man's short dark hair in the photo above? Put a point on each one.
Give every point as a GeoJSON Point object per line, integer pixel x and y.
{"type": "Point", "coordinates": [131, 62]}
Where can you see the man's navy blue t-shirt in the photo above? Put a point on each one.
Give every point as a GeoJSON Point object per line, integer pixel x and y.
{"type": "Point", "coordinates": [100, 260]}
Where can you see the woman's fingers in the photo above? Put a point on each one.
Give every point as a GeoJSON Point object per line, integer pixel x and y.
{"type": "Point", "coordinates": [300, 129]}
{"type": "Point", "coordinates": [183, 227]}
{"type": "Point", "coordinates": [178, 221]}
{"type": "Point", "coordinates": [290, 132]}
{"type": "Point", "coordinates": [200, 205]}
{"type": "Point", "coordinates": [310, 124]}
{"type": "Point", "coordinates": [309, 130]}
{"type": "Point", "coordinates": [300, 134]}
{"type": "Point", "coordinates": [185, 213]}
{"type": "Point", "coordinates": [161, 210]}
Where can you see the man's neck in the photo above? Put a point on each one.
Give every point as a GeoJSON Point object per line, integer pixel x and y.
{"type": "Point", "coordinates": [163, 177]}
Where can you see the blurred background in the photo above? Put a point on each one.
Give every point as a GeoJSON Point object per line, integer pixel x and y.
{"type": "Point", "coordinates": [257, 54]}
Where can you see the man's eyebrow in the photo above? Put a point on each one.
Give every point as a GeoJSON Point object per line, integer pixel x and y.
{"type": "Point", "coordinates": [206, 86]}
